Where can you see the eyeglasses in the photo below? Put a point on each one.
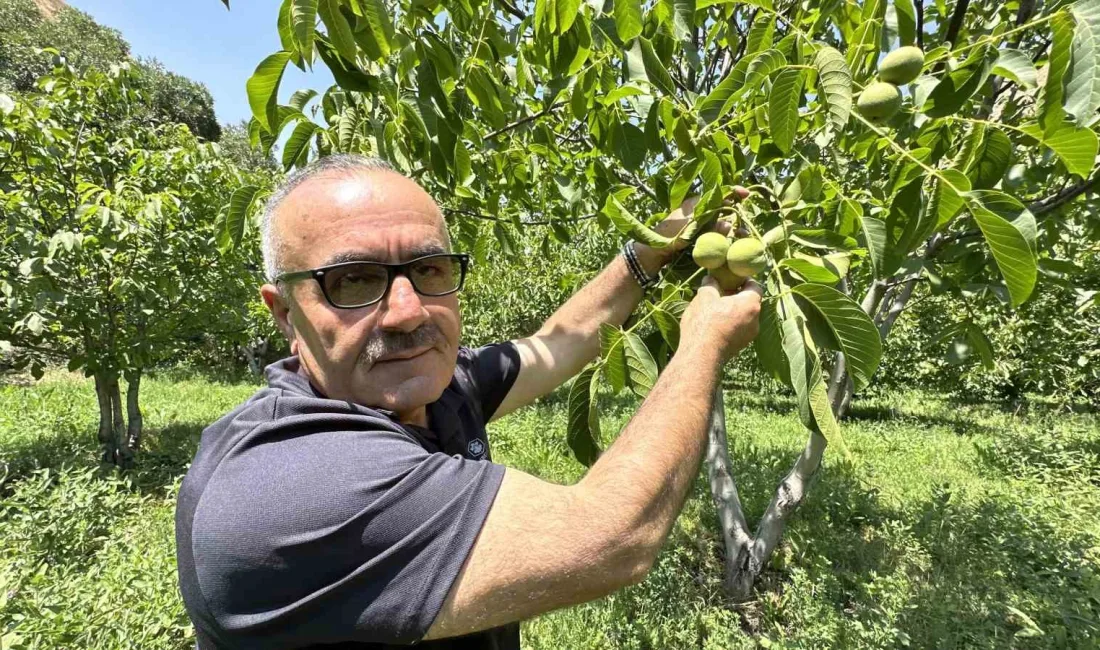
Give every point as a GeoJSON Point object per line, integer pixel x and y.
{"type": "Point", "coordinates": [350, 285]}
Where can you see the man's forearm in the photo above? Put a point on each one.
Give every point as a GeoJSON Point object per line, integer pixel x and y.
{"type": "Point", "coordinates": [609, 298]}
{"type": "Point", "coordinates": [639, 484]}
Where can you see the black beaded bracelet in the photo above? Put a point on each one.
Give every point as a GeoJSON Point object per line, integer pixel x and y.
{"type": "Point", "coordinates": [631, 256]}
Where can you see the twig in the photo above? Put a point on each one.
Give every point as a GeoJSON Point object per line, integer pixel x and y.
{"type": "Point", "coordinates": [518, 123]}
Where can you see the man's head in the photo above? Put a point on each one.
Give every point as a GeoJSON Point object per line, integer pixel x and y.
{"type": "Point", "coordinates": [397, 354]}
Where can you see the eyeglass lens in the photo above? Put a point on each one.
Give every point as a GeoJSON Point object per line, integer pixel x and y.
{"type": "Point", "coordinates": [366, 282]}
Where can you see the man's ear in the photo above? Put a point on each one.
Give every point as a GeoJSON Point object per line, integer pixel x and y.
{"type": "Point", "coordinates": [279, 307]}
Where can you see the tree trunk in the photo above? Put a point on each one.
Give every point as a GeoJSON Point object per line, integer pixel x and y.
{"type": "Point", "coordinates": [104, 433]}
{"type": "Point", "coordinates": [735, 531]}
{"type": "Point", "coordinates": [120, 454]}
{"type": "Point", "coordinates": [134, 420]}
{"type": "Point", "coordinates": [112, 425]}
{"type": "Point", "coordinates": [747, 555]}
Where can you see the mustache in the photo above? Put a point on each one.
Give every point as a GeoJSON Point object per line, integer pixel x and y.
{"type": "Point", "coordinates": [386, 342]}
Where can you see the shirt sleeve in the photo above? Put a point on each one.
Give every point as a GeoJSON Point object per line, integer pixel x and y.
{"type": "Point", "coordinates": [489, 372]}
{"type": "Point", "coordinates": [343, 535]}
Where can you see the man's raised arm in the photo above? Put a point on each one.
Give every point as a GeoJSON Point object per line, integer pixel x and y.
{"type": "Point", "coordinates": [545, 546]}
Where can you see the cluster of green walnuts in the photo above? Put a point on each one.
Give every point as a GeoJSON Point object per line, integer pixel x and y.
{"type": "Point", "coordinates": [881, 100]}
{"type": "Point", "coordinates": [728, 261]}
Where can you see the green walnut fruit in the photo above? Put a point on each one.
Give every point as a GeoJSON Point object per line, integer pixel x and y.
{"type": "Point", "coordinates": [902, 66]}
{"type": "Point", "coordinates": [746, 257]}
{"type": "Point", "coordinates": [879, 102]}
{"type": "Point", "coordinates": [727, 279]}
{"type": "Point", "coordinates": [710, 250]}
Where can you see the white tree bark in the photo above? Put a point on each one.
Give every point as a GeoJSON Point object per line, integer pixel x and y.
{"type": "Point", "coordinates": [747, 555]}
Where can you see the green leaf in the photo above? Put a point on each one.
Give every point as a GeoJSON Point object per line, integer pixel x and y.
{"type": "Point", "coordinates": [821, 238]}
{"type": "Point", "coordinates": [769, 344]}
{"type": "Point", "coordinates": [990, 160]}
{"type": "Point", "coordinates": [296, 150]}
{"type": "Point", "coordinates": [907, 21]}
{"type": "Point", "coordinates": [1083, 76]}
{"type": "Point", "coordinates": [681, 13]}
{"type": "Point", "coordinates": [654, 69]}
{"type": "Point", "coordinates": [375, 35]}
{"type": "Point", "coordinates": [809, 271]}
{"type": "Point", "coordinates": [300, 98]}
{"type": "Point", "coordinates": [506, 239]}
{"type": "Point", "coordinates": [835, 82]}
{"type": "Point", "coordinates": [628, 225]}
{"type": "Point", "coordinates": [566, 12]}
{"type": "Point", "coordinates": [641, 368]}
{"type": "Point", "coordinates": [1016, 66]}
{"type": "Point", "coordinates": [761, 34]}
{"type": "Point", "coordinates": [1051, 113]}
{"type": "Point", "coordinates": [668, 325]}
{"type": "Point", "coordinates": [263, 89]}
{"type": "Point", "coordinates": [783, 108]}
{"type": "Point", "coordinates": [240, 204]}
{"type": "Point", "coordinates": [980, 342]}
{"type": "Point", "coordinates": [1076, 147]}
{"type": "Point", "coordinates": [854, 330]}
{"type": "Point", "coordinates": [946, 201]}
{"type": "Point", "coordinates": [874, 238]}
{"type": "Point", "coordinates": [584, 422]}
{"type": "Point", "coordinates": [805, 375]}
{"type": "Point", "coordinates": [628, 19]}
{"type": "Point", "coordinates": [340, 33]}
{"type": "Point", "coordinates": [958, 86]}
{"type": "Point", "coordinates": [716, 104]}
{"type": "Point", "coordinates": [1009, 229]}
{"type": "Point", "coordinates": [611, 351]}
{"type": "Point", "coordinates": [768, 62]}
{"type": "Point", "coordinates": [303, 20]}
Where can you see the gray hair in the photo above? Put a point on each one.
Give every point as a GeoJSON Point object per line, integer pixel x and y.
{"type": "Point", "coordinates": [346, 163]}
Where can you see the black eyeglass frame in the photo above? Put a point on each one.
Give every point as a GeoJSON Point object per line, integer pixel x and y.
{"type": "Point", "coordinates": [392, 270]}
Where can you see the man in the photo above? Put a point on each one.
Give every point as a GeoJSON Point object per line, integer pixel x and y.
{"type": "Point", "coordinates": [353, 501]}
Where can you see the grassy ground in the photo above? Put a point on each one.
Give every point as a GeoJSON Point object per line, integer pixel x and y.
{"type": "Point", "coordinates": [954, 525]}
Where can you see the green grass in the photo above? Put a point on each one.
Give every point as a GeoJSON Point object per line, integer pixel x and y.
{"type": "Point", "coordinates": [953, 525]}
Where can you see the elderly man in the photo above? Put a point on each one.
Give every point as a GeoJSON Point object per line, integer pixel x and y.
{"type": "Point", "coordinates": [353, 501]}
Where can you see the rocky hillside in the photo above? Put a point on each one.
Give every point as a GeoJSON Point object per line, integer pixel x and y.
{"type": "Point", "coordinates": [50, 8]}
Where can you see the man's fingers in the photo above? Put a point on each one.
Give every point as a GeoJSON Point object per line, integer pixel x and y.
{"type": "Point", "coordinates": [738, 193]}
{"type": "Point", "coordinates": [688, 205]}
{"type": "Point", "coordinates": [710, 285]}
{"type": "Point", "coordinates": [752, 286]}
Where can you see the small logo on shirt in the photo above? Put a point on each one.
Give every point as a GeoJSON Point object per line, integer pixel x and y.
{"type": "Point", "coordinates": [476, 448]}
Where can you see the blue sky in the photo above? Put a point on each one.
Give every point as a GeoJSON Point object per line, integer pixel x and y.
{"type": "Point", "coordinates": [201, 40]}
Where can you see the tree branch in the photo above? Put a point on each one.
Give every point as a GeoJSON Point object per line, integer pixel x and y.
{"type": "Point", "coordinates": [512, 9]}
{"type": "Point", "coordinates": [957, 19]}
{"type": "Point", "coordinates": [920, 23]}
{"type": "Point", "coordinates": [518, 123]}
{"type": "Point", "coordinates": [1063, 197]}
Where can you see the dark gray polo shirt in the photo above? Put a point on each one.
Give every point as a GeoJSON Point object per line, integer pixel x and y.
{"type": "Point", "coordinates": [306, 521]}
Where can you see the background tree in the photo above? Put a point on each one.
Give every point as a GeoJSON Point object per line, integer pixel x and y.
{"type": "Point", "coordinates": [27, 26]}
{"type": "Point", "coordinates": [108, 260]}
{"type": "Point", "coordinates": [544, 114]}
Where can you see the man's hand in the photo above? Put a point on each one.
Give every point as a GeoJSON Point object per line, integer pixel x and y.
{"type": "Point", "coordinates": [653, 259]}
{"type": "Point", "coordinates": [722, 322]}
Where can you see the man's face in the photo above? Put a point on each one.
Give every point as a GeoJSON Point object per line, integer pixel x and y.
{"type": "Point", "coordinates": [398, 354]}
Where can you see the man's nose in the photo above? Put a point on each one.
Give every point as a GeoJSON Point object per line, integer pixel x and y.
{"type": "Point", "coordinates": [402, 308]}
